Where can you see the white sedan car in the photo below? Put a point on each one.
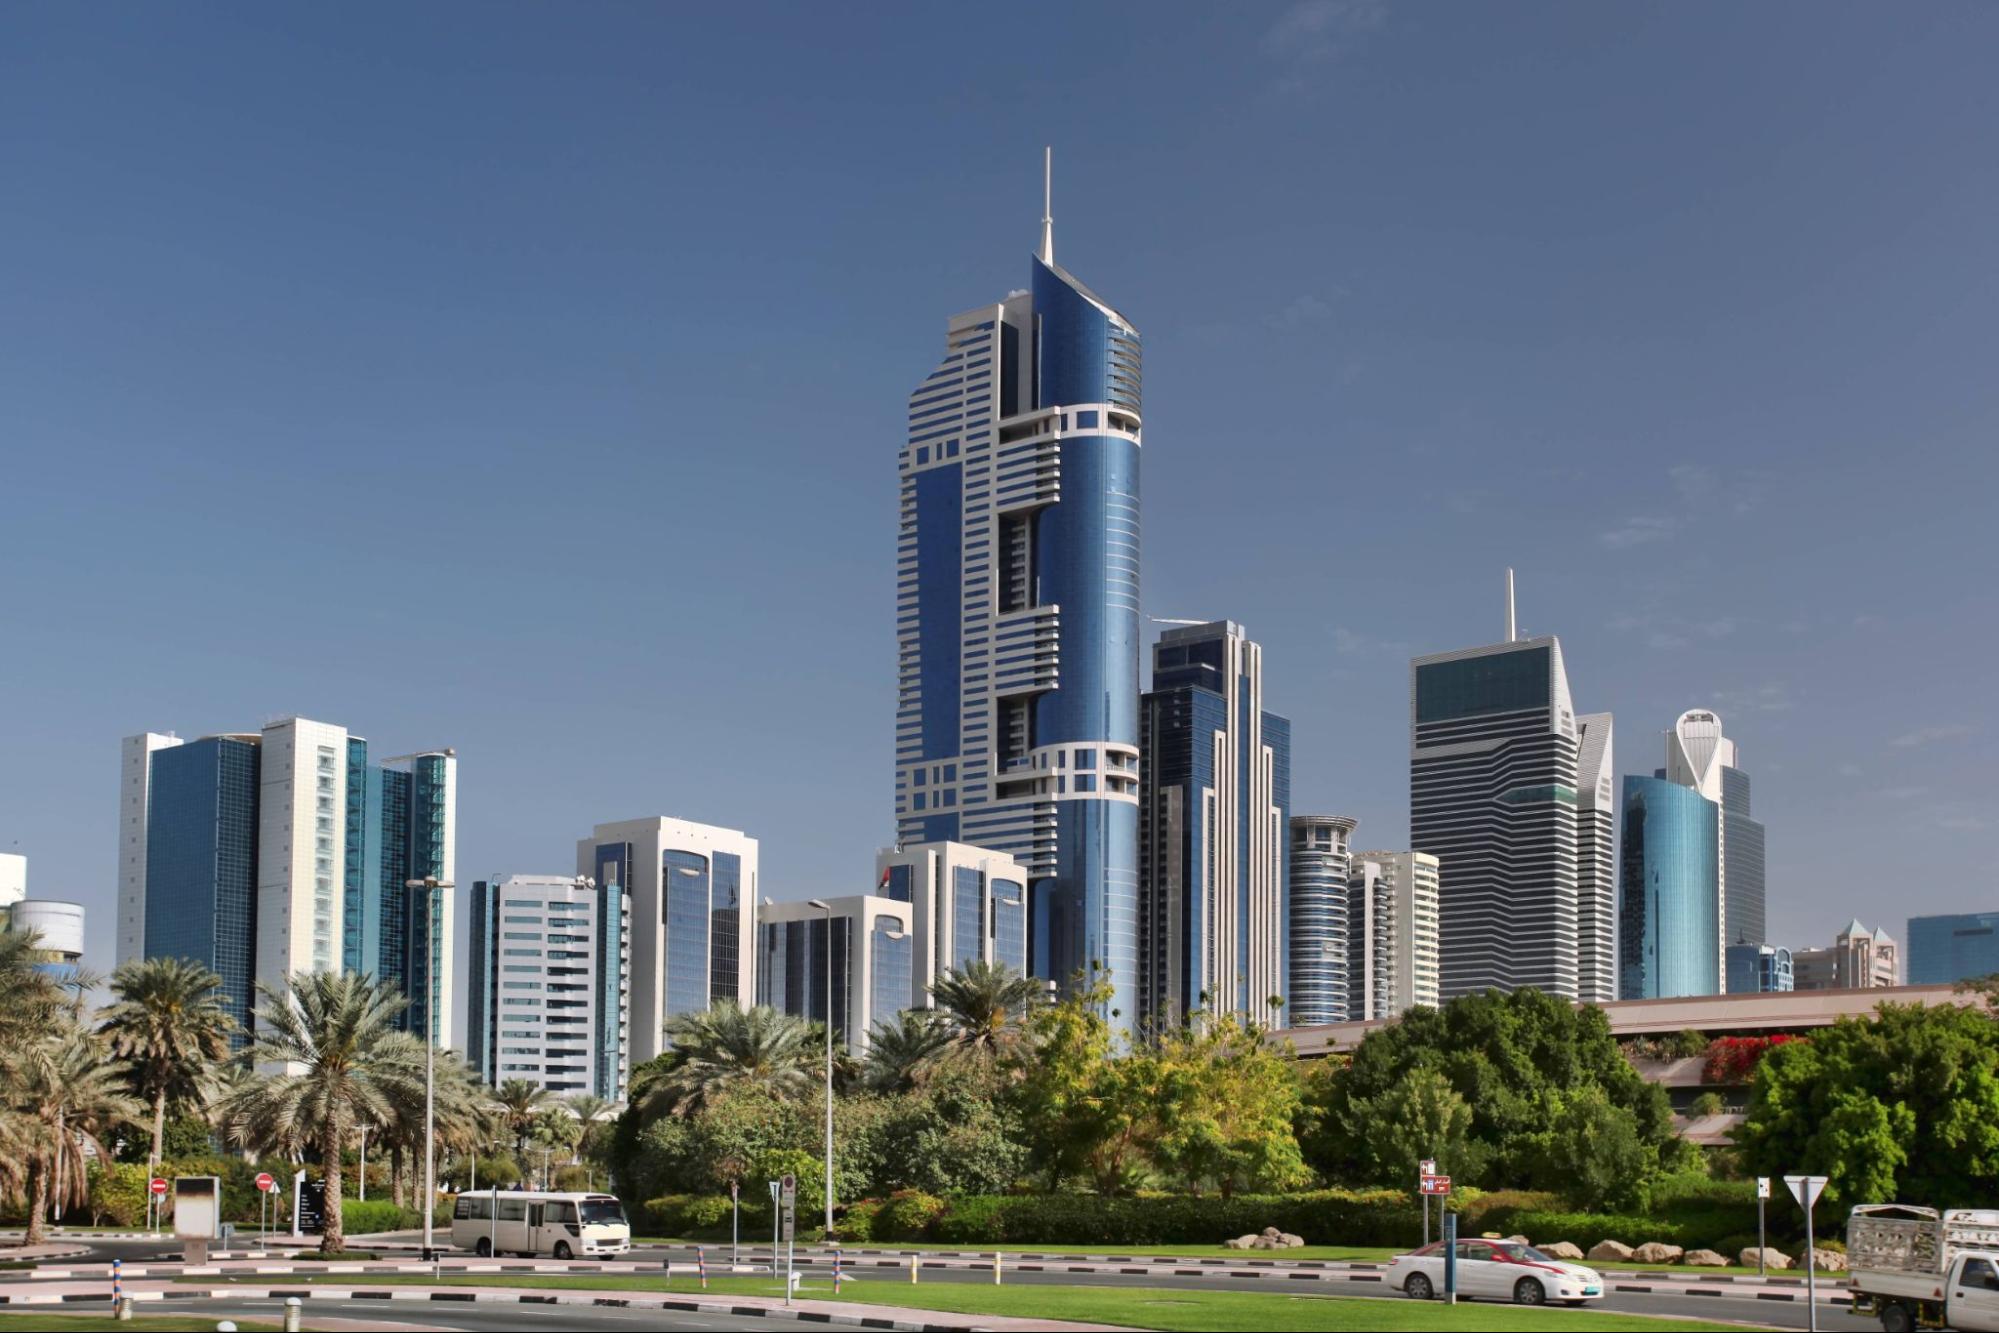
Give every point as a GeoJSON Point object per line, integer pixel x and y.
{"type": "Point", "coordinates": [1496, 1270]}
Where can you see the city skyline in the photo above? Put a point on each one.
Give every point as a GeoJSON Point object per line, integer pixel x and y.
{"type": "Point", "coordinates": [1254, 323]}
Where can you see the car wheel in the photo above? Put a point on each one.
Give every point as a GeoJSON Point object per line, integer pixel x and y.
{"type": "Point", "coordinates": [1529, 1291]}
{"type": "Point", "coordinates": [562, 1250]}
{"type": "Point", "coordinates": [1418, 1287]}
{"type": "Point", "coordinates": [1897, 1319]}
{"type": "Point", "coordinates": [484, 1249]}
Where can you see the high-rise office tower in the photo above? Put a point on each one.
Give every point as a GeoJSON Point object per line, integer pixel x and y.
{"type": "Point", "coordinates": [1961, 946]}
{"type": "Point", "coordinates": [693, 893]}
{"type": "Point", "coordinates": [551, 970]}
{"type": "Point", "coordinates": [866, 941]}
{"type": "Point", "coordinates": [1758, 968]}
{"type": "Point", "coordinates": [1320, 864]}
{"type": "Point", "coordinates": [1493, 794]}
{"type": "Point", "coordinates": [1670, 883]}
{"type": "Point", "coordinates": [968, 905]}
{"type": "Point", "coordinates": [263, 854]}
{"type": "Point", "coordinates": [1392, 932]}
{"type": "Point", "coordinates": [1596, 873]}
{"type": "Point", "coordinates": [1701, 756]}
{"type": "Point", "coordinates": [1214, 795]}
{"type": "Point", "coordinates": [13, 878]}
{"type": "Point", "coordinates": [1017, 622]}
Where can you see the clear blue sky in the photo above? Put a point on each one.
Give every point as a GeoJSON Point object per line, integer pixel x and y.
{"type": "Point", "coordinates": [529, 379]}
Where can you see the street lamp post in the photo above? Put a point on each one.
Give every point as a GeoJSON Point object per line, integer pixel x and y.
{"type": "Point", "coordinates": [431, 885]}
{"type": "Point", "coordinates": [827, 908]}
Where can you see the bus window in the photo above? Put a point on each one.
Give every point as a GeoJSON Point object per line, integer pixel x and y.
{"type": "Point", "coordinates": [513, 1210]}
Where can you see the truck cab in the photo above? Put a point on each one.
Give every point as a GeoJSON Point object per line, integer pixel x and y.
{"type": "Point", "coordinates": [1916, 1268]}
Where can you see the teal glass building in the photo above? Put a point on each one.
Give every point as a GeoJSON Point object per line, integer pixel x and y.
{"type": "Point", "coordinates": [1944, 950]}
{"type": "Point", "coordinates": [1669, 883]}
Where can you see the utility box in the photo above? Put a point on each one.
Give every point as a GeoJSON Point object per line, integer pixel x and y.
{"type": "Point", "coordinates": [197, 1215]}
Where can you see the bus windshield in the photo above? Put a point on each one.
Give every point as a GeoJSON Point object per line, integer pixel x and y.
{"type": "Point", "coordinates": [602, 1212]}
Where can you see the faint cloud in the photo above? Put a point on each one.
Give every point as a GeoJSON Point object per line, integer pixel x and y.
{"type": "Point", "coordinates": [1693, 481]}
{"type": "Point", "coordinates": [1930, 735]}
{"type": "Point", "coordinates": [1901, 793]}
{"type": "Point", "coordinates": [1961, 821]}
{"type": "Point", "coordinates": [1301, 310]}
{"type": "Point", "coordinates": [1667, 632]}
{"type": "Point", "coordinates": [1637, 531]}
{"type": "Point", "coordinates": [1849, 770]}
{"type": "Point", "coordinates": [1863, 621]}
{"type": "Point", "coordinates": [1313, 34]}
{"type": "Point", "coordinates": [1354, 643]}
{"type": "Point", "coordinates": [1773, 697]}
{"type": "Point", "coordinates": [1465, 502]}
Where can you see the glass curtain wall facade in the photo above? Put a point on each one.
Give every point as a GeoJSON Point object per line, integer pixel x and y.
{"type": "Point", "coordinates": [1670, 891]}
{"type": "Point", "coordinates": [1214, 801]}
{"type": "Point", "coordinates": [1742, 859]}
{"type": "Point", "coordinates": [1320, 864]}
{"type": "Point", "coordinates": [1017, 621]}
{"type": "Point", "coordinates": [1756, 968]}
{"type": "Point", "coordinates": [1493, 773]}
{"type": "Point", "coordinates": [1944, 950]}
{"type": "Point", "coordinates": [201, 864]}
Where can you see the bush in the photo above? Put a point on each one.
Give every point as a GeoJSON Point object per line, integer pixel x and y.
{"type": "Point", "coordinates": [574, 1179]}
{"type": "Point", "coordinates": [1367, 1217]}
{"type": "Point", "coordinates": [362, 1217]}
{"type": "Point", "coordinates": [972, 1220]}
{"type": "Point", "coordinates": [908, 1215]}
{"type": "Point", "coordinates": [1708, 1103]}
{"type": "Point", "coordinates": [691, 1217]}
{"type": "Point", "coordinates": [856, 1223]}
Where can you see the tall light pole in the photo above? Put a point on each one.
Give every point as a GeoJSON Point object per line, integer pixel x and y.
{"type": "Point", "coordinates": [431, 886]}
{"type": "Point", "coordinates": [827, 908]}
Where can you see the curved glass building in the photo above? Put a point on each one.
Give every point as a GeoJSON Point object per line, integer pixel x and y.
{"type": "Point", "coordinates": [1320, 866]}
{"type": "Point", "coordinates": [1670, 890]}
{"type": "Point", "coordinates": [1017, 622]}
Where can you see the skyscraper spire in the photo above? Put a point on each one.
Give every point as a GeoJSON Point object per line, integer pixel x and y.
{"type": "Point", "coordinates": [1512, 626]}
{"type": "Point", "coordinates": [1048, 205]}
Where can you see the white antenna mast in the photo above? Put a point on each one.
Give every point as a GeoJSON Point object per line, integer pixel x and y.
{"type": "Point", "coordinates": [1512, 626]}
{"type": "Point", "coordinates": [1048, 205]}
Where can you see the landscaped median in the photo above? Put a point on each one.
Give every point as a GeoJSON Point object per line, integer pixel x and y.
{"type": "Point", "coordinates": [104, 1323]}
{"type": "Point", "coordinates": [1127, 1307]}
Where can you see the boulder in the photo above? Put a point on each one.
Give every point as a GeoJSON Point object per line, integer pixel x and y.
{"type": "Point", "coordinates": [1518, 1240]}
{"type": "Point", "coordinates": [1561, 1249]}
{"type": "Point", "coordinates": [1292, 1242]}
{"type": "Point", "coordinates": [1703, 1259]}
{"type": "Point", "coordinates": [1610, 1251]}
{"type": "Point", "coordinates": [1271, 1233]}
{"type": "Point", "coordinates": [1775, 1260]}
{"type": "Point", "coordinates": [1269, 1243]}
{"type": "Point", "coordinates": [1656, 1252]}
{"type": "Point", "coordinates": [1239, 1243]}
{"type": "Point", "coordinates": [1827, 1261]}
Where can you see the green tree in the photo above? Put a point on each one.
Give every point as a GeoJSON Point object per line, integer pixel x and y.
{"type": "Point", "coordinates": [1420, 1116]}
{"type": "Point", "coordinates": [1087, 1106]}
{"type": "Point", "coordinates": [948, 1138]}
{"type": "Point", "coordinates": [724, 1048]}
{"type": "Point", "coordinates": [64, 1097]}
{"type": "Point", "coordinates": [333, 1038]}
{"type": "Point", "coordinates": [167, 1022]}
{"type": "Point", "coordinates": [520, 1100]}
{"type": "Point", "coordinates": [1230, 1102]}
{"type": "Point", "coordinates": [908, 1051]}
{"type": "Point", "coordinates": [985, 1006]}
{"type": "Point", "coordinates": [1593, 1154]}
{"type": "Point", "coordinates": [1903, 1106]}
{"type": "Point", "coordinates": [1516, 1061]}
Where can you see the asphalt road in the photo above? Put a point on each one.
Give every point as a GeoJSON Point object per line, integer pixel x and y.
{"type": "Point", "coordinates": [485, 1316]}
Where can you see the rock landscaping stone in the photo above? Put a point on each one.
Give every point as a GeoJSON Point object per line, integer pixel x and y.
{"type": "Point", "coordinates": [1518, 1240]}
{"type": "Point", "coordinates": [1703, 1259]}
{"type": "Point", "coordinates": [1561, 1249]}
{"type": "Point", "coordinates": [1292, 1242]}
{"type": "Point", "coordinates": [1775, 1260]}
{"type": "Point", "coordinates": [1827, 1261]}
{"type": "Point", "coordinates": [1610, 1251]}
{"type": "Point", "coordinates": [1656, 1252]}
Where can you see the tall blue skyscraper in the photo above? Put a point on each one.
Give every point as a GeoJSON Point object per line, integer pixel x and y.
{"type": "Point", "coordinates": [1215, 797]}
{"type": "Point", "coordinates": [1017, 622]}
{"type": "Point", "coordinates": [1670, 887]}
{"type": "Point", "coordinates": [1944, 950]}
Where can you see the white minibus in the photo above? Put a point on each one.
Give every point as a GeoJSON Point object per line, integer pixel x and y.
{"type": "Point", "coordinates": [530, 1223]}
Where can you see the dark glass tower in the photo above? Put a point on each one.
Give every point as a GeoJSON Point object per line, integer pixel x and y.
{"type": "Point", "coordinates": [1670, 890]}
{"type": "Point", "coordinates": [1017, 623]}
{"type": "Point", "coordinates": [201, 864]}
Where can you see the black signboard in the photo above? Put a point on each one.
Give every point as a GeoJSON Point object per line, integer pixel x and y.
{"type": "Point", "coordinates": [312, 1207]}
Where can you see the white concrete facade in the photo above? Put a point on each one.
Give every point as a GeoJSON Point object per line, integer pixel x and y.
{"type": "Point", "coordinates": [13, 878]}
{"type": "Point", "coordinates": [135, 788]}
{"type": "Point", "coordinates": [550, 984]}
{"type": "Point", "coordinates": [966, 903]}
{"type": "Point", "coordinates": [1596, 859]}
{"type": "Point", "coordinates": [301, 848]}
{"type": "Point", "coordinates": [871, 947]}
{"type": "Point", "coordinates": [678, 965]}
{"type": "Point", "coordinates": [1392, 946]}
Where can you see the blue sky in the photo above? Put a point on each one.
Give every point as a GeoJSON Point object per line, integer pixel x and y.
{"type": "Point", "coordinates": [529, 379]}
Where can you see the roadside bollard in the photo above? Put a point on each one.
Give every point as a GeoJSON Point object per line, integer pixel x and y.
{"type": "Point", "coordinates": [701, 1265]}
{"type": "Point", "coordinates": [294, 1312]}
{"type": "Point", "coordinates": [912, 1270]}
{"type": "Point", "coordinates": [996, 1267]}
{"type": "Point", "coordinates": [123, 1310]}
{"type": "Point", "coordinates": [117, 1289]}
{"type": "Point", "coordinates": [838, 1276]}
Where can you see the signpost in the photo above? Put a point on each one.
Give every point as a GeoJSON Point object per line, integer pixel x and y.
{"type": "Point", "coordinates": [267, 1185]}
{"type": "Point", "coordinates": [156, 1190]}
{"type": "Point", "coordinates": [788, 1196]}
{"type": "Point", "coordinates": [735, 1222]}
{"type": "Point", "coordinates": [1450, 1258]}
{"type": "Point", "coordinates": [1762, 1233]}
{"type": "Point", "coordinates": [1806, 1190]}
{"type": "Point", "coordinates": [1426, 1167]}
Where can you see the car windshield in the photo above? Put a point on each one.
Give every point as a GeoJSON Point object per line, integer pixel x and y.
{"type": "Point", "coordinates": [1523, 1254]}
{"type": "Point", "coordinates": [602, 1212]}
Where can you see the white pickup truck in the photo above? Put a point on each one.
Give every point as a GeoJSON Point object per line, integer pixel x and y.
{"type": "Point", "coordinates": [1918, 1268]}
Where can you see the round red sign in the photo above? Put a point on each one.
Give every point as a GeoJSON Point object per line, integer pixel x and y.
{"type": "Point", "coordinates": [266, 1181]}
{"type": "Point", "coordinates": [158, 1186]}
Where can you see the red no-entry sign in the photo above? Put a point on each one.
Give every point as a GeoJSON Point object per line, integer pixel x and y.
{"type": "Point", "coordinates": [266, 1181]}
{"type": "Point", "coordinates": [158, 1186]}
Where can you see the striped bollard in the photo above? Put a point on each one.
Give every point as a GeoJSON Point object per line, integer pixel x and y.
{"type": "Point", "coordinates": [838, 1276]}
{"type": "Point", "coordinates": [996, 1268]}
{"type": "Point", "coordinates": [912, 1270]}
{"type": "Point", "coordinates": [117, 1285]}
{"type": "Point", "coordinates": [701, 1265]}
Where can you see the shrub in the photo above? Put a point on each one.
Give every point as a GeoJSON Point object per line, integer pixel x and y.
{"type": "Point", "coordinates": [362, 1217]}
{"type": "Point", "coordinates": [908, 1215]}
{"type": "Point", "coordinates": [574, 1179]}
{"type": "Point", "coordinates": [1708, 1103]}
{"type": "Point", "coordinates": [683, 1216]}
{"type": "Point", "coordinates": [856, 1223]}
{"type": "Point", "coordinates": [972, 1220]}
{"type": "Point", "coordinates": [1734, 1059]}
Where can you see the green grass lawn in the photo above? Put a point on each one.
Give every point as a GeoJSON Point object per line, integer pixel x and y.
{"type": "Point", "coordinates": [91, 1323]}
{"type": "Point", "coordinates": [1345, 1254]}
{"type": "Point", "coordinates": [1131, 1307]}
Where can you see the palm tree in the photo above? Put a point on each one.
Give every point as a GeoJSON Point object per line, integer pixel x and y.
{"type": "Point", "coordinates": [519, 1101]}
{"type": "Point", "coordinates": [342, 1062]}
{"type": "Point", "coordinates": [722, 1049]}
{"type": "Point", "coordinates": [64, 1096]}
{"type": "Point", "coordinates": [589, 1110]}
{"type": "Point", "coordinates": [460, 1113]}
{"type": "Point", "coordinates": [986, 1006]}
{"type": "Point", "coordinates": [905, 1052]}
{"type": "Point", "coordinates": [169, 1023]}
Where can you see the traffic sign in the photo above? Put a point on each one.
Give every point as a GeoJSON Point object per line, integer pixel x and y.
{"type": "Point", "coordinates": [158, 1186]}
{"type": "Point", "coordinates": [1436, 1184]}
{"type": "Point", "coordinates": [1762, 1187]}
{"type": "Point", "coordinates": [1805, 1189]}
{"type": "Point", "coordinates": [1427, 1167]}
{"type": "Point", "coordinates": [266, 1181]}
{"type": "Point", "coordinates": [788, 1193]}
